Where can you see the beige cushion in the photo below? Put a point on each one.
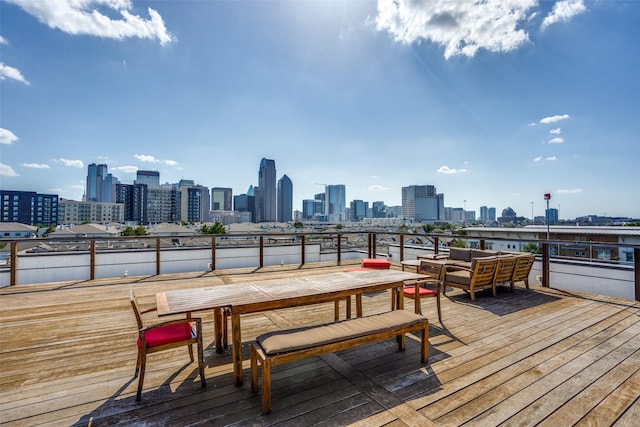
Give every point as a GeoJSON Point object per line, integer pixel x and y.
{"type": "Point", "coordinates": [312, 336]}
{"type": "Point", "coordinates": [460, 254]}
{"type": "Point", "coordinates": [462, 277]}
{"type": "Point", "coordinates": [477, 253]}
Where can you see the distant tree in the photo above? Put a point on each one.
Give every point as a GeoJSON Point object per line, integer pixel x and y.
{"type": "Point", "coordinates": [532, 248]}
{"type": "Point", "coordinates": [50, 229]}
{"type": "Point", "coordinates": [338, 226]}
{"type": "Point", "coordinates": [428, 228]}
{"type": "Point", "coordinates": [297, 224]}
{"type": "Point", "coordinates": [216, 228]}
{"type": "Point", "coordinates": [138, 231]}
{"type": "Point", "coordinates": [459, 243]}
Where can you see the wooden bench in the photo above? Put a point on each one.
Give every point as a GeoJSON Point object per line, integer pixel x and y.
{"type": "Point", "coordinates": [285, 346]}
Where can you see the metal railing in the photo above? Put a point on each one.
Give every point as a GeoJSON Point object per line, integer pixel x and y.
{"type": "Point", "coordinates": [370, 244]}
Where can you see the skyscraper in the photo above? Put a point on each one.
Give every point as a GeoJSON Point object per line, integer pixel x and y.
{"type": "Point", "coordinates": [221, 199]}
{"type": "Point", "coordinates": [335, 203]}
{"type": "Point", "coordinates": [95, 178]}
{"type": "Point", "coordinates": [150, 178]}
{"type": "Point", "coordinates": [422, 203]}
{"type": "Point", "coordinates": [267, 196]}
{"type": "Point", "coordinates": [285, 199]}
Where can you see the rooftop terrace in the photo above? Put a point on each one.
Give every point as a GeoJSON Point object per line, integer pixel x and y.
{"type": "Point", "coordinates": [534, 357]}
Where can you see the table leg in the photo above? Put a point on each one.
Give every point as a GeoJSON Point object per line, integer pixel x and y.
{"type": "Point", "coordinates": [358, 305]}
{"type": "Point", "coordinates": [217, 327]}
{"type": "Point", "coordinates": [236, 348]}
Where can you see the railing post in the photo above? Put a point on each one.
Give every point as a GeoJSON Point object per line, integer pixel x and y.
{"type": "Point", "coordinates": [302, 250]}
{"type": "Point", "coordinates": [545, 265]}
{"type": "Point", "coordinates": [401, 247]}
{"type": "Point", "coordinates": [436, 245]}
{"type": "Point", "coordinates": [339, 237]}
{"type": "Point", "coordinates": [157, 257]}
{"type": "Point", "coordinates": [636, 268]}
{"type": "Point", "coordinates": [374, 249]}
{"type": "Point", "coordinates": [92, 268]}
{"type": "Point", "coordinates": [483, 244]}
{"type": "Point", "coordinates": [14, 264]}
{"type": "Point", "coordinates": [369, 245]}
{"type": "Point", "coordinates": [213, 252]}
{"type": "Point", "coordinates": [261, 251]}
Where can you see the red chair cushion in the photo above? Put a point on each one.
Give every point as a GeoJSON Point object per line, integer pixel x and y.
{"type": "Point", "coordinates": [168, 334]}
{"type": "Point", "coordinates": [411, 290]}
{"type": "Point", "coordinates": [376, 263]}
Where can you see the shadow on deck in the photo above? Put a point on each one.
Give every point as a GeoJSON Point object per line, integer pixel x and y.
{"type": "Point", "coordinates": [528, 357]}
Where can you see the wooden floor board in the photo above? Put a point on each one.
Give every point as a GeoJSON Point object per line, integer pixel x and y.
{"type": "Point", "coordinates": [67, 353]}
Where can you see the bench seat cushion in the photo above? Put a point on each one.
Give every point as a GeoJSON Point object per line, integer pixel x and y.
{"type": "Point", "coordinates": [312, 336]}
{"type": "Point", "coordinates": [376, 263]}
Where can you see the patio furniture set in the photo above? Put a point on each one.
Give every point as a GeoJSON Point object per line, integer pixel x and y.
{"type": "Point", "coordinates": [461, 269]}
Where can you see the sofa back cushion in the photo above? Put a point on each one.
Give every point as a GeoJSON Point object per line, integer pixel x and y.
{"type": "Point", "coordinates": [460, 254]}
{"type": "Point", "coordinates": [477, 253]}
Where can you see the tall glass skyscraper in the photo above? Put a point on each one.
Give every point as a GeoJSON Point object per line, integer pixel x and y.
{"type": "Point", "coordinates": [285, 199]}
{"type": "Point", "coordinates": [95, 179]}
{"type": "Point", "coordinates": [221, 199]}
{"type": "Point", "coordinates": [336, 203]}
{"type": "Point", "coordinates": [267, 196]}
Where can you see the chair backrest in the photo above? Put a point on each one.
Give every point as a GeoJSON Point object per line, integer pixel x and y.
{"type": "Point", "coordinates": [523, 267]}
{"type": "Point", "coordinates": [504, 269]}
{"type": "Point", "coordinates": [433, 269]}
{"type": "Point", "coordinates": [484, 269]}
{"type": "Point", "coordinates": [136, 308]}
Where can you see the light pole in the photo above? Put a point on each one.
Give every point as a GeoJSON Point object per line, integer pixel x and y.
{"type": "Point", "coordinates": [547, 197]}
{"type": "Point", "coordinates": [533, 218]}
{"type": "Point", "coordinates": [464, 218]}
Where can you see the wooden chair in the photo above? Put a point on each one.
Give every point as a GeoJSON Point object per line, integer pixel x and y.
{"type": "Point", "coordinates": [163, 336]}
{"type": "Point", "coordinates": [522, 269]}
{"type": "Point", "coordinates": [504, 270]}
{"type": "Point", "coordinates": [479, 276]}
{"type": "Point", "coordinates": [435, 271]}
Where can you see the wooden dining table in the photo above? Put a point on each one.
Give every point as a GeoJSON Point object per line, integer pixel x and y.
{"type": "Point", "coordinates": [257, 296]}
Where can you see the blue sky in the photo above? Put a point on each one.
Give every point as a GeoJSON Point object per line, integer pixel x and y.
{"type": "Point", "coordinates": [495, 103]}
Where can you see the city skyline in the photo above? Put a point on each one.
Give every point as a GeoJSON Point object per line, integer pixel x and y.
{"type": "Point", "coordinates": [372, 95]}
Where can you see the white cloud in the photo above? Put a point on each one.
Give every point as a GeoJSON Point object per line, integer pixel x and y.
{"type": "Point", "coordinates": [127, 169]}
{"type": "Point", "coordinates": [462, 27]}
{"type": "Point", "coordinates": [70, 163]}
{"type": "Point", "coordinates": [146, 158]}
{"type": "Point", "coordinates": [378, 188]}
{"type": "Point", "coordinates": [449, 171]}
{"type": "Point", "coordinates": [7, 72]}
{"type": "Point", "coordinates": [553, 119]}
{"type": "Point", "coordinates": [3, 40]}
{"type": "Point", "coordinates": [7, 137]}
{"type": "Point", "coordinates": [532, 124]}
{"type": "Point", "coordinates": [6, 170]}
{"type": "Point", "coordinates": [556, 131]}
{"type": "Point", "coordinates": [557, 140]}
{"type": "Point", "coordinates": [35, 165]}
{"type": "Point", "coordinates": [85, 17]}
{"type": "Point", "coordinates": [152, 159]}
{"type": "Point", "coordinates": [551, 158]}
{"type": "Point", "coordinates": [537, 159]}
{"type": "Point", "coordinates": [570, 191]}
{"type": "Point", "coordinates": [563, 11]}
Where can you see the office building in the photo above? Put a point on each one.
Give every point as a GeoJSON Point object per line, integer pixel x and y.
{"type": "Point", "coordinates": [221, 199]}
{"type": "Point", "coordinates": [245, 205]}
{"type": "Point", "coordinates": [266, 197]}
{"type": "Point", "coordinates": [28, 207]}
{"type": "Point", "coordinates": [134, 198]}
{"type": "Point", "coordinates": [358, 210]}
{"type": "Point", "coordinates": [285, 199]}
{"type": "Point", "coordinates": [422, 203]}
{"type": "Point", "coordinates": [150, 178]}
{"type": "Point", "coordinates": [75, 212]}
{"type": "Point", "coordinates": [335, 203]}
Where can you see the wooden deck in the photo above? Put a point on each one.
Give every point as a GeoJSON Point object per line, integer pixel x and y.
{"type": "Point", "coordinates": [534, 357]}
